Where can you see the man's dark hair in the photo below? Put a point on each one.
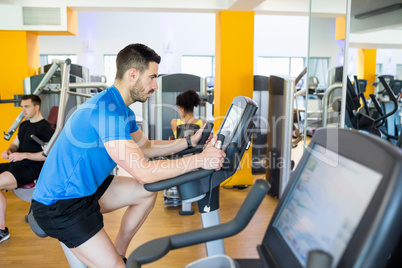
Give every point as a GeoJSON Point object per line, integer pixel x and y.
{"type": "Point", "coordinates": [188, 100]}
{"type": "Point", "coordinates": [34, 98]}
{"type": "Point", "coordinates": [136, 56]}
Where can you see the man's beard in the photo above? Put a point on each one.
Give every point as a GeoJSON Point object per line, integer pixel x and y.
{"type": "Point", "coordinates": [137, 93]}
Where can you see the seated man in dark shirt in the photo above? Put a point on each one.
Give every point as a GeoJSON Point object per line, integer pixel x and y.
{"type": "Point", "coordinates": [24, 153]}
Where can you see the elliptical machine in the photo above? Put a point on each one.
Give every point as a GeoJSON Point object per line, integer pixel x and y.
{"type": "Point", "coordinates": [370, 119]}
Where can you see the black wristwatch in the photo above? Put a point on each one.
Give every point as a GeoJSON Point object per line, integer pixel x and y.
{"type": "Point", "coordinates": [189, 144]}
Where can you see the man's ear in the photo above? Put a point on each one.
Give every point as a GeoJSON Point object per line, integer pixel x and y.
{"type": "Point", "coordinates": [133, 74]}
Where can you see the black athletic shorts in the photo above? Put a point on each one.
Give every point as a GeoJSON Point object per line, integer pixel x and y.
{"type": "Point", "coordinates": [72, 221]}
{"type": "Point", "coordinates": [22, 173]}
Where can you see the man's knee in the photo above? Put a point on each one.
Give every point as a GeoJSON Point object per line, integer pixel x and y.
{"type": "Point", "coordinates": [7, 181]}
{"type": "Point", "coordinates": [150, 198]}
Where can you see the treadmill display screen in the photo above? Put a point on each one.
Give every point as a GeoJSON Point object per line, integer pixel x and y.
{"type": "Point", "coordinates": [230, 124]}
{"type": "Point", "coordinates": [325, 205]}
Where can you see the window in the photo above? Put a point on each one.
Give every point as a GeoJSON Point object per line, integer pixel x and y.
{"type": "Point", "coordinates": [283, 66]}
{"type": "Point", "coordinates": [203, 66]}
{"type": "Point", "coordinates": [319, 68]}
{"type": "Point", "coordinates": [280, 66]}
{"type": "Point", "coordinates": [46, 59]}
{"type": "Point", "coordinates": [273, 66]}
{"type": "Point", "coordinates": [399, 71]}
{"type": "Point", "coordinates": [296, 66]}
{"type": "Point", "coordinates": [378, 68]}
{"type": "Point", "coordinates": [109, 65]}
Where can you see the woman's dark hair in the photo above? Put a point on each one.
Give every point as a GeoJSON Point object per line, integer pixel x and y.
{"type": "Point", "coordinates": [188, 100]}
{"type": "Point", "coordinates": [136, 56]}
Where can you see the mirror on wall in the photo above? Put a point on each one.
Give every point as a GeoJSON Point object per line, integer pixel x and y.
{"type": "Point", "coordinates": [375, 50]}
{"type": "Point", "coordinates": [325, 65]}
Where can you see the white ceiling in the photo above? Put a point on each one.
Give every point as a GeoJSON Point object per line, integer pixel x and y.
{"type": "Point", "coordinates": [328, 8]}
{"type": "Point", "coordinates": [279, 7]}
{"type": "Point", "coordinates": [378, 30]}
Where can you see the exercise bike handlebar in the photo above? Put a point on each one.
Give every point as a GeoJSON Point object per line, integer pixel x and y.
{"type": "Point", "coordinates": [191, 176]}
{"type": "Point", "coordinates": [166, 184]}
{"type": "Point", "coordinates": [219, 141]}
{"type": "Point", "coordinates": [156, 249]}
{"type": "Point", "coordinates": [198, 148]}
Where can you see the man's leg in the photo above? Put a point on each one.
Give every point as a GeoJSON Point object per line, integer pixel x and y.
{"type": "Point", "coordinates": [99, 252]}
{"type": "Point", "coordinates": [77, 223]}
{"type": "Point", "coordinates": [7, 182]}
{"type": "Point", "coordinates": [123, 192]}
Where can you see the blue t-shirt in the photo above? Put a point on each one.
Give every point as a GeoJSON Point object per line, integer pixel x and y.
{"type": "Point", "coordinates": [78, 162]}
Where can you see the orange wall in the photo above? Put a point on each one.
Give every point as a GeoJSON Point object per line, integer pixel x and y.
{"type": "Point", "coordinates": [19, 53]}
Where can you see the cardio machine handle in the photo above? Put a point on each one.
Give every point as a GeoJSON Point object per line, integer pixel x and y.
{"type": "Point", "coordinates": [166, 184]}
{"type": "Point", "coordinates": [198, 148]}
{"type": "Point", "coordinates": [388, 89]}
{"type": "Point", "coordinates": [376, 104]}
{"type": "Point", "coordinates": [391, 96]}
{"type": "Point", "coordinates": [220, 140]}
{"type": "Point", "coordinates": [179, 180]}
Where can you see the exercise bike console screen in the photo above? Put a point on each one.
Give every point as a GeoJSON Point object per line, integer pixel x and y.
{"type": "Point", "coordinates": [230, 124]}
{"type": "Point", "coordinates": [313, 215]}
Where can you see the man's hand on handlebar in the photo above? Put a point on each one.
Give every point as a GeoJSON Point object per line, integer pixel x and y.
{"type": "Point", "coordinates": [213, 157]}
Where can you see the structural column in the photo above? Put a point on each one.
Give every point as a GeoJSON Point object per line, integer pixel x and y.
{"type": "Point", "coordinates": [366, 65]}
{"type": "Point", "coordinates": [234, 54]}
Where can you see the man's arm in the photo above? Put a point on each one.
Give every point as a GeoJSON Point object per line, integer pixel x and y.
{"type": "Point", "coordinates": [163, 148]}
{"type": "Point", "coordinates": [128, 155]}
{"type": "Point", "coordinates": [11, 149]}
{"type": "Point", "coordinates": [15, 157]}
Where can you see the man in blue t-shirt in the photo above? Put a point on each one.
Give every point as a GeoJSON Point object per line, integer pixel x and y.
{"type": "Point", "coordinates": [75, 188]}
